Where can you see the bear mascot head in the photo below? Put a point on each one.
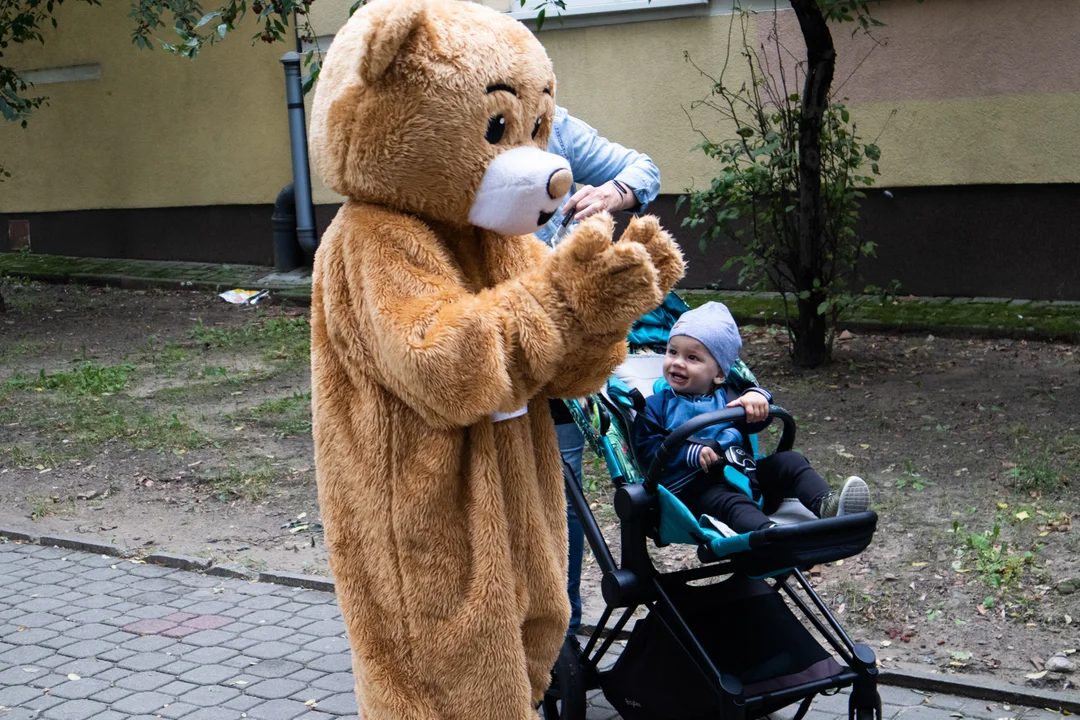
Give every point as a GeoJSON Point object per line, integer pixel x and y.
{"type": "Point", "coordinates": [440, 329]}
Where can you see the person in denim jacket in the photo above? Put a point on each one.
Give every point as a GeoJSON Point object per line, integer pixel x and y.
{"type": "Point", "coordinates": [608, 177]}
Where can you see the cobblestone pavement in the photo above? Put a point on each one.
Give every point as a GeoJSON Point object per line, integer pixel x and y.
{"type": "Point", "coordinates": [86, 636]}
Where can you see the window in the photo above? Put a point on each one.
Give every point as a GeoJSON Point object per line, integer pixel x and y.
{"type": "Point", "coordinates": [581, 13]}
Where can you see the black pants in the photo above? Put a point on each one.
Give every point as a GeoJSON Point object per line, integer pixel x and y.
{"type": "Point", "coordinates": [779, 476]}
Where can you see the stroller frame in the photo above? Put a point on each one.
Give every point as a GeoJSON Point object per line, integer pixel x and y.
{"type": "Point", "coordinates": [635, 583]}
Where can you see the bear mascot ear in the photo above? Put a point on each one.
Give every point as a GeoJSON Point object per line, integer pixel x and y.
{"type": "Point", "coordinates": [388, 32]}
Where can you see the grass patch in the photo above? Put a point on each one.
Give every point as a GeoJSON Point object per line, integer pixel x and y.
{"type": "Point", "coordinates": [235, 483]}
{"type": "Point", "coordinates": [993, 560]}
{"type": "Point", "coordinates": [282, 339]}
{"type": "Point", "coordinates": [1042, 464]}
{"type": "Point", "coordinates": [41, 507]}
{"type": "Point", "coordinates": [87, 379]}
{"type": "Point", "coordinates": [287, 416]}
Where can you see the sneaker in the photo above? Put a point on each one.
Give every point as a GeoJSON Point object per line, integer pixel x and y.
{"type": "Point", "coordinates": [853, 498]}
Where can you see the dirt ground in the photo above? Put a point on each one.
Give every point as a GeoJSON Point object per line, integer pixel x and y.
{"type": "Point", "coordinates": [178, 422]}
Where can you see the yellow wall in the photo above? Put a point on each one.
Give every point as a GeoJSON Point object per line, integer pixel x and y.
{"type": "Point", "coordinates": [154, 130]}
{"type": "Point", "coordinates": [157, 130]}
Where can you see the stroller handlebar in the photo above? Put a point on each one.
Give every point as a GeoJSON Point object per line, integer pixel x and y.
{"type": "Point", "coordinates": [679, 435]}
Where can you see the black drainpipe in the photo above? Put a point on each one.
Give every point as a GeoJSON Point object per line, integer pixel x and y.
{"type": "Point", "coordinates": [305, 208]}
{"type": "Point", "coordinates": [288, 255]}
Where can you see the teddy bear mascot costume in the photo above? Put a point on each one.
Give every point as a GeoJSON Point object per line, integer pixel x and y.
{"type": "Point", "coordinates": [440, 326]}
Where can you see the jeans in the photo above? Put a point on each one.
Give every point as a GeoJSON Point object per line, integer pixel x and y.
{"type": "Point", "coordinates": [571, 445]}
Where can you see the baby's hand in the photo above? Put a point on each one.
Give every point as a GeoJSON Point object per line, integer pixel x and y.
{"type": "Point", "coordinates": [757, 407]}
{"type": "Point", "coordinates": [707, 458]}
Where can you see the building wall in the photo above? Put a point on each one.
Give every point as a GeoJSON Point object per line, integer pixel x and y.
{"type": "Point", "coordinates": [968, 99]}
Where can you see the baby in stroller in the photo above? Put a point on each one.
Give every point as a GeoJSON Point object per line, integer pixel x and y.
{"type": "Point", "coordinates": [702, 347]}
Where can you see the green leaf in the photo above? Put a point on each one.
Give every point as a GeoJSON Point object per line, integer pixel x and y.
{"type": "Point", "coordinates": [222, 29]}
{"type": "Point", "coordinates": [207, 18]}
{"type": "Point", "coordinates": [745, 132]}
{"type": "Point", "coordinates": [845, 115]}
{"type": "Point", "coordinates": [540, 17]}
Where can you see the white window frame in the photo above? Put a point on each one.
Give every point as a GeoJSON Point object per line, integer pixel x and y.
{"type": "Point", "coordinates": [589, 13]}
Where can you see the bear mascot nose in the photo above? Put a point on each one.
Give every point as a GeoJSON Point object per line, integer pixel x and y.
{"type": "Point", "coordinates": [559, 183]}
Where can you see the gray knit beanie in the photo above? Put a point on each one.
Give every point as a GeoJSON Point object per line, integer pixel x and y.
{"type": "Point", "coordinates": [712, 326]}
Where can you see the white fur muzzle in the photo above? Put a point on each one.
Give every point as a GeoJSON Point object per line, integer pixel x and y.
{"type": "Point", "coordinates": [513, 198]}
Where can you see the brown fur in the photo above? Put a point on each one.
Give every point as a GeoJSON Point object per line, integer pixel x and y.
{"type": "Point", "coordinates": [447, 531]}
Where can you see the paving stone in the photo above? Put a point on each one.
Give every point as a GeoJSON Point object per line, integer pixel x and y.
{"type": "Point", "coordinates": [111, 695]}
{"type": "Point", "coordinates": [142, 702]}
{"type": "Point", "coordinates": [75, 710]}
{"type": "Point", "coordinates": [95, 602]}
{"type": "Point", "coordinates": [149, 611]}
{"type": "Point", "coordinates": [36, 619]}
{"type": "Point", "coordinates": [263, 602]}
{"type": "Point", "coordinates": [23, 655]}
{"type": "Point", "coordinates": [209, 674]}
{"type": "Point", "coordinates": [97, 615]}
{"type": "Point", "coordinates": [30, 636]}
{"type": "Point", "coordinates": [241, 644]}
{"type": "Point", "coordinates": [206, 638]}
{"type": "Point", "coordinates": [268, 632]}
{"type": "Point", "coordinates": [210, 695]}
{"type": "Point", "coordinates": [305, 656]}
{"type": "Point", "coordinates": [332, 663]}
{"type": "Point", "coordinates": [900, 696]}
{"type": "Point", "coordinates": [275, 688]}
{"type": "Point", "coordinates": [16, 695]}
{"type": "Point", "coordinates": [179, 631]}
{"type": "Point", "coordinates": [329, 646]}
{"type": "Point", "coordinates": [117, 655]}
{"type": "Point", "coordinates": [340, 704]}
{"type": "Point", "coordinates": [91, 631]}
{"type": "Point", "coordinates": [321, 612]}
{"type": "Point", "coordinates": [46, 680]}
{"type": "Point", "coordinates": [87, 648]}
{"type": "Point", "coordinates": [79, 689]}
{"type": "Point", "coordinates": [140, 662]}
{"type": "Point", "coordinates": [177, 710]}
{"type": "Point", "coordinates": [145, 681]}
{"type": "Point", "coordinates": [152, 598]}
{"type": "Point", "coordinates": [178, 667]}
{"type": "Point", "coordinates": [338, 682]}
{"type": "Point", "coordinates": [271, 650]}
{"type": "Point", "coordinates": [210, 655]}
{"type": "Point", "coordinates": [243, 703]}
{"type": "Point", "coordinates": [113, 674]}
{"type": "Point", "coordinates": [325, 628]}
{"type": "Point", "coordinates": [214, 713]}
{"type": "Point", "coordinates": [148, 643]}
{"type": "Point", "coordinates": [307, 675]}
{"type": "Point", "coordinates": [277, 710]}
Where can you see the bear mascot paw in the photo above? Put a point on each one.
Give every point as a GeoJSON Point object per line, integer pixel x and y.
{"type": "Point", "coordinates": [440, 327]}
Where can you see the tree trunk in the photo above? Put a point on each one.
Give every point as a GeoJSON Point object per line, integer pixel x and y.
{"type": "Point", "coordinates": [810, 335]}
{"type": "Point", "coordinates": [810, 348]}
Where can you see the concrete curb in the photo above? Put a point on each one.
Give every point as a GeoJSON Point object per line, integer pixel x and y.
{"type": "Point", "coordinates": [979, 689]}
{"type": "Point", "coordinates": [90, 546]}
{"type": "Point", "coordinates": [982, 689]}
{"type": "Point", "coordinates": [310, 582]}
{"type": "Point", "coordinates": [180, 562]}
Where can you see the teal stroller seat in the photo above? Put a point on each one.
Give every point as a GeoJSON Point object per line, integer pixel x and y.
{"type": "Point", "coordinates": [686, 658]}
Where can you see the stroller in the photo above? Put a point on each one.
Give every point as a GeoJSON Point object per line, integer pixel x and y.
{"type": "Point", "coordinates": [706, 648]}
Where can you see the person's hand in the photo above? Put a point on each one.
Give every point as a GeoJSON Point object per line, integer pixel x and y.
{"type": "Point", "coordinates": [707, 458]}
{"type": "Point", "coordinates": [589, 200]}
{"type": "Point", "coordinates": [757, 407]}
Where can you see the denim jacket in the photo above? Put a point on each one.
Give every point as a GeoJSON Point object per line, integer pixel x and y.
{"type": "Point", "coordinates": [595, 160]}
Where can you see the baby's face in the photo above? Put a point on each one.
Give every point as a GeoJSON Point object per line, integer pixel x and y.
{"type": "Point", "coordinates": [689, 368]}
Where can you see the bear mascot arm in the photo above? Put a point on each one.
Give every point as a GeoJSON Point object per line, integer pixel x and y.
{"type": "Point", "coordinates": [439, 324]}
{"type": "Point", "coordinates": [456, 356]}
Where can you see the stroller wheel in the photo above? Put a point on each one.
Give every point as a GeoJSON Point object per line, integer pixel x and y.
{"type": "Point", "coordinates": [565, 699]}
{"type": "Point", "coordinates": [864, 714]}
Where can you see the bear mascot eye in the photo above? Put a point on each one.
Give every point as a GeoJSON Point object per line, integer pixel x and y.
{"type": "Point", "coordinates": [536, 127]}
{"type": "Point", "coordinates": [495, 129]}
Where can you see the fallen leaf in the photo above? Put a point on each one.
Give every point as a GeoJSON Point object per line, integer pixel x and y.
{"type": "Point", "coordinates": [961, 655]}
{"type": "Point", "coordinates": [311, 703]}
{"type": "Point", "coordinates": [1038, 662]}
{"type": "Point", "coordinates": [918, 564]}
{"type": "Point", "coordinates": [1036, 675]}
{"type": "Point", "coordinates": [73, 676]}
{"type": "Point", "coordinates": [1003, 506]}
{"type": "Point", "coordinates": [1022, 515]}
